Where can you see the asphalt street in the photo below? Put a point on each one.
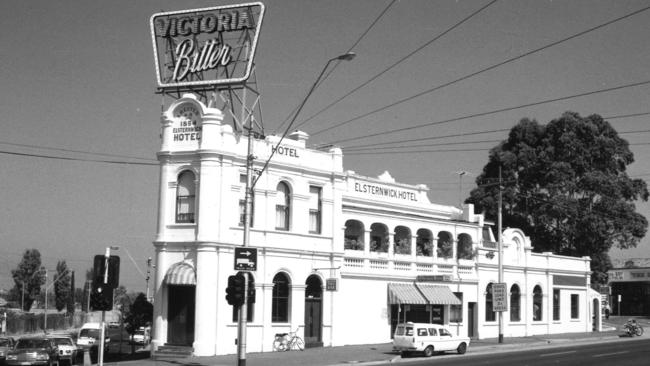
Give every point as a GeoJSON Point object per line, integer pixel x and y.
{"type": "Point", "coordinates": [634, 351]}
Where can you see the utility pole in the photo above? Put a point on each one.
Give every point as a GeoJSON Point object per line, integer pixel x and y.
{"type": "Point", "coordinates": [499, 228]}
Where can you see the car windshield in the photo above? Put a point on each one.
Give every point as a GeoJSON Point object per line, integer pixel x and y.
{"type": "Point", "coordinates": [4, 343]}
{"type": "Point", "coordinates": [139, 332]}
{"type": "Point", "coordinates": [32, 343]}
{"type": "Point", "coordinates": [89, 333]}
{"type": "Point", "coordinates": [63, 341]}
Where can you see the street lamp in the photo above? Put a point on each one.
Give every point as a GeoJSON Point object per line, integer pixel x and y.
{"type": "Point", "coordinates": [250, 184]}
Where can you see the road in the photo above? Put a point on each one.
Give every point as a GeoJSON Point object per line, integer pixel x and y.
{"type": "Point", "coordinates": [625, 353]}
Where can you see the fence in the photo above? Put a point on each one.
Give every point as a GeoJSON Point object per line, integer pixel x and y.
{"type": "Point", "coordinates": [25, 323]}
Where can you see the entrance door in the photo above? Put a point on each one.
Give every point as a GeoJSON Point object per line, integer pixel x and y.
{"type": "Point", "coordinates": [471, 319]}
{"type": "Point", "coordinates": [314, 312]}
{"type": "Point", "coordinates": [180, 316]}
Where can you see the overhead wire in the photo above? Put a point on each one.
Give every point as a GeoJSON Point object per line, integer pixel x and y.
{"type": "Point", "coordinates": [481, 114]}
{"type": "Point", "coordinates": [338, 62]}
{"type": "Point", "coordinates": [492, 67]}
{"type": "Point", "coordinates": [376, 76]}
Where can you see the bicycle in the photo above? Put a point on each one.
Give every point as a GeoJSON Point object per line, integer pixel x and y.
{"type": "Point", "coordinates": [288, 342]}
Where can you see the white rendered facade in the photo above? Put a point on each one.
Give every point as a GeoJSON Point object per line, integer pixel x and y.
{"type": "Point", "coordinates": [322, 229]}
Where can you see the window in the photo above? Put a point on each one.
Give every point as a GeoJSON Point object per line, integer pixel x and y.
{"type": "Point", "coordinates": [354, 233]}
{"type": "Point", "coordinates": [185, 195]}
{"type": "Point", "coordinates": [456, 311]}
{"type": "Point", "coordinates": [280, 302]}
{"type": "Point", "coordinates": [283, 207]}
{"type": "Point", "coordinates": [537, 303]}
{"type": "Point", "coordinates": [575, 306]}
{"type": "Point", "coordinates": [250, 307]}
{"type": "Point", "coordinates": [315, 209]}
{"type": "Point", "coordinates": [464, 247]}
{"type": "Point", "coordinates": [556, 304]}
{"type": "Point", "coordinates": [433, 332]}
{"type": "Point", "coordinates": [515, 304]}
{"type": "Point", "coordinates": [490, 316]}
{"type": "Point", "coordinates": [422, 332]}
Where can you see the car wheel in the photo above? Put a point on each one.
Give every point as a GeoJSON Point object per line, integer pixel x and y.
{"type": "Point", "coordinates": [462, 348]}
{"type": "Point", "coordinates": [428, 352]}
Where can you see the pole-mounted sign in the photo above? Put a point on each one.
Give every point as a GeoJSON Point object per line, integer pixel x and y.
{"type": "Point", "coordinates": [499, 297]}
{"type": "Point", "coordinates": [245, 259]}
{"type": "Point", "coordinates": [206, 47]}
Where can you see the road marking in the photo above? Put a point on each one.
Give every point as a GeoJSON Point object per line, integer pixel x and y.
{"type": "Point", "coordinates": [557, 353]}
{"type": "Point", "coordinates": [609, 354]}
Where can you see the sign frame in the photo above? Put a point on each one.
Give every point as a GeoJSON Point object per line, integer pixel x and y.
{"type": "Point", "coordinates": [245, 259]}
{"type": "Point", "coordinates": [183, 24]}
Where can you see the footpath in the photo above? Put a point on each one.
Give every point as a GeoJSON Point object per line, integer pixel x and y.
{"type": "Point", "coordinates": [383, 353]}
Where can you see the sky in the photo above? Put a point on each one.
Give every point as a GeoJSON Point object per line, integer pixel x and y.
{"type": "Point", "coordinates": [78, 86]}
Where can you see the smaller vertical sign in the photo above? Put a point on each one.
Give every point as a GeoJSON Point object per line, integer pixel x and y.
{"type": "Point", "coordinates": [332, 284]}
{"type": "Point", "coordinates": [499, 297]}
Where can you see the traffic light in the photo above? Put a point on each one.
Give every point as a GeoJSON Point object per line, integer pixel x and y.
{"type": "Point", "coordinates": [101, 295]}
{"type": "Point", "coordinates": [235, 291]}
{"type": "Point", "coordinates": [99, 269]}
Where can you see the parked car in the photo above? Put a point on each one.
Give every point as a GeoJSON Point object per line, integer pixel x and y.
{"type": "Point", "coordinates": [141, 336]}
{"type": "Point", "coordinates": [33, 351]}
{"type": "Point", "coordinates": [427, 338]}
{"type": "Point", "coordinates": [6, 343]}
{"type": "Point", "coordinates": [67, 348]}
{"type": "Point", "coordinates": [89, 336]}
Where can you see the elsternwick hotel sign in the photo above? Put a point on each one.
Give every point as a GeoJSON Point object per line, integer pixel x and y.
{"type": "Point", "coordinates": [206, 47]}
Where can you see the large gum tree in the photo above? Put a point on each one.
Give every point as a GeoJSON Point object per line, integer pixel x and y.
{"type": "Point", "coordinates": [565, 184]}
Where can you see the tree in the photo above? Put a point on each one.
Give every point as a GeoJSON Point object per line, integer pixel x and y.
{"type": "Point", "coordinates": [140, 314]}
{"type": "Point", "coordinates": [565, 185]}
{"type": "Point", "coordinates": [28, 277]}
{"type": "Point", "coordinates": [62, 291]}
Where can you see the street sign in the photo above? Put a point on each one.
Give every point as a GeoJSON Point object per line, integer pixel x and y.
{"type": "Point", "coordinates": [245, 259]}
{"type": "Point", "coordinates": [499, 297]}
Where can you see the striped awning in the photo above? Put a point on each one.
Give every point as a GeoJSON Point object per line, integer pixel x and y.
{"type": "Point", "coordinates": [438, 295]}
{"type": "Point", "coordinates": [181, 274]}
{"type": "Point", "coordinates": [405, 293]}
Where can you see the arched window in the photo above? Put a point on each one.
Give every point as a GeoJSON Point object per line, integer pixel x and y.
{"type": "Point", "coordinates": [445, 245]}
{"type": "Point", "coordinates": [537, 303]}
{"type": "Point", "coordinates": [490, 315]}
{"type": "Point", "coordinates": [464, 247]}
{"type": "Point", "coordinates": [353, 235]}
{"type": "Point", "coordinates": [515, 304]}
{"type": "Point", "coordinates": [283, 207]}
{"type": "Point", "coordinates": [424, 243]}
{"type": "Point", "coordinates": [280, 302]}
{"type": "Point", "coordinates": [185, 197]}
{"type": "Point", "coordinates": [378, 238]}
{"type": "Point", "coordinates": [402, 244]}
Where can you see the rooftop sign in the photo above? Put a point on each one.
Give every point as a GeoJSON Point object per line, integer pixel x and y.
{"type": "Point", "coordinates": [206, 47]}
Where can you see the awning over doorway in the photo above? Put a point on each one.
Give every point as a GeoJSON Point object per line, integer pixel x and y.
{"type": "Point", "coordinates": [405, 293]}
{"type": "Point", "coordinates": [181, 274]}
{"type": "Point", "coordinates": [438, 295]}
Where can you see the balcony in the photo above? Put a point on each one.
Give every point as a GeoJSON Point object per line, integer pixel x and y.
{"type": "Point", "coordinates": [381, 264]}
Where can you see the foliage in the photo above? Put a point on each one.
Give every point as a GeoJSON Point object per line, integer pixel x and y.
{"type": "Point", "coordinates": [353, 243]}
{"type": "Point", "coordinates": [402, 246]}
{"type": "Point", "coordinates": [424, 247]}
{"type": "Point", "coordinates": [445, 248]}
{"type": "Point", "coordinates": [62, 290]}
{"type": "Point", "coordinates": [140, 314]}
{"type": "Point", "coordinates": [28, 277]}
{"type": "Point", "coordinates": [565, 185]}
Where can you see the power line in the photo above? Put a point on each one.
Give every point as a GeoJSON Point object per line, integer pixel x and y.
{"type": "Point", "coordinates": [76, 159]}
{"type": "Point", "coordinates": [396, 63]}
{"type": "Point", "coordinates": [552, 44]}
{"type": "Point", "coordinates": [377, 145]}
{"type": "Point", "coordinates": [493, 112]}
{"type": "Point", "coordinates": [73, 151]}
{"type": "Point", "coordinates": [337, 63]}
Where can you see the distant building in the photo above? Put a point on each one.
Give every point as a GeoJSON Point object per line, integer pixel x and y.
{"type": "Point", "coordinates": [630, 287]}
{"type": "Point", "coordinates": [341, 257]}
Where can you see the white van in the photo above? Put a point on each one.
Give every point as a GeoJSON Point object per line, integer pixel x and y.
{"type": "Point", "coordinates": [89, 336]}
{"type": "Point", "coordinates": [427, 339]}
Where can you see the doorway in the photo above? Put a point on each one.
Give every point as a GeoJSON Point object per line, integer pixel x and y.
{"type": "Point", "coordinates": [180, 316]}
{"type": "Point", "coordinates": [471, 319]}
{"type": "Point", "coordinates": [314, 312]}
